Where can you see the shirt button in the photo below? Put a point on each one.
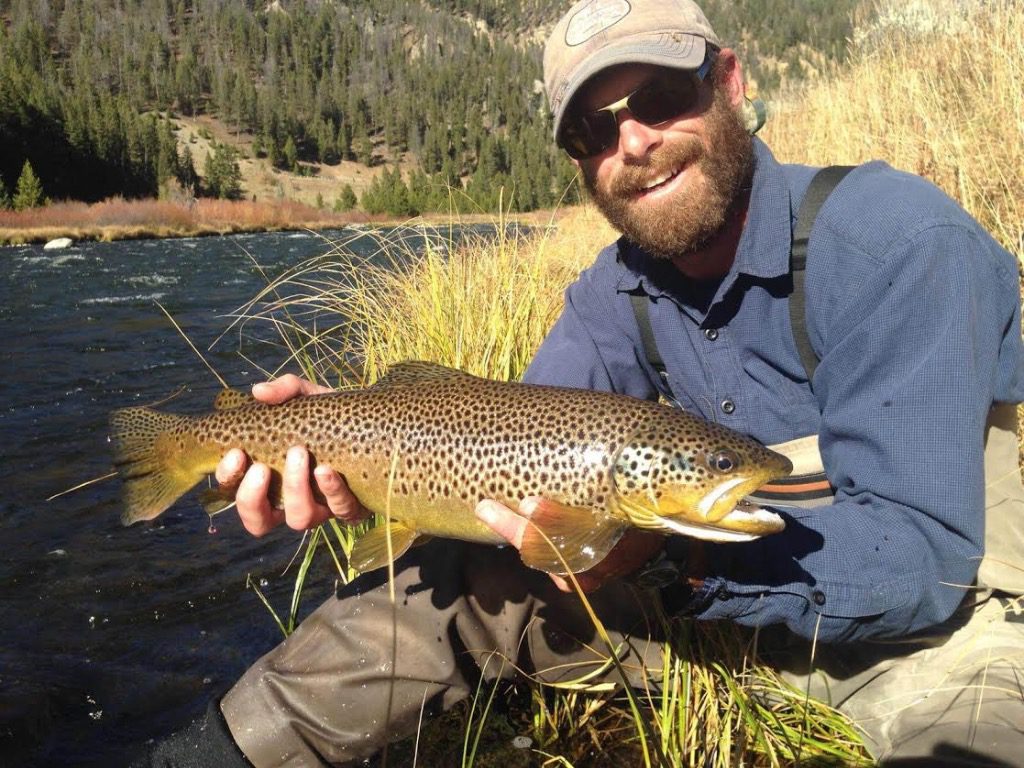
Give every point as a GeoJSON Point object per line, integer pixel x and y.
{"type": "Point", "coordinates": [711, 334]}
{"type": "Point", "coordinates": [728, 406]}
{"type": "Point", "coordinates": [818, 597]}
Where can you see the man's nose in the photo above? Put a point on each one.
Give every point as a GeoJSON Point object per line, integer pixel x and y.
{"type": "Point", "coordinates": [636, 140]}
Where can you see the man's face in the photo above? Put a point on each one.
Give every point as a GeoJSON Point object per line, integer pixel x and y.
{"type": "Point", "coordinates": [669, 187]}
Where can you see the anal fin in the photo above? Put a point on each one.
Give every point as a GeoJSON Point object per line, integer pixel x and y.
{"type": "Point", "coordinates": [371, 550]}
{"type": "Point", "coordinates": [561, 538]}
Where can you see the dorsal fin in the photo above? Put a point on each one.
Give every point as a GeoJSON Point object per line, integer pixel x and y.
{"type": "Point", "coordinates": [417, 371]}
{"type": "Point", "coordinates": [227, 399]}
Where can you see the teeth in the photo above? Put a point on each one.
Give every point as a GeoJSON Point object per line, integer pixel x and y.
{"type": "Point", "coordinates": [658, 180]}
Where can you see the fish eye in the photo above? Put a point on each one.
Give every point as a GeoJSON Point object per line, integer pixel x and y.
{"type": "Point", "coordinates": [724, 461]}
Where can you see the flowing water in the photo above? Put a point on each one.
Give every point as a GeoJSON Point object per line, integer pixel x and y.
{"type": "Point", "coordinates": [110, 636]}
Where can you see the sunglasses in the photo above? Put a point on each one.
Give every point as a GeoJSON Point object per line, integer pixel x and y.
{"type": "Point", "coordinates": [657, 101]}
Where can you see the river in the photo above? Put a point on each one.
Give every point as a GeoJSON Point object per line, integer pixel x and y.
{"type": "Point", "coordinates": [109, 636]}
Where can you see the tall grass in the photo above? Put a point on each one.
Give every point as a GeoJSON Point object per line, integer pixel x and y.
{"type": "Point", "coordinates": [479, 301]}
{"type": "Point", "coordinates": [931, 87]}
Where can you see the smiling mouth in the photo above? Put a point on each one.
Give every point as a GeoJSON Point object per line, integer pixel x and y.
{"type": "Point", "coordinates": [659, 181]}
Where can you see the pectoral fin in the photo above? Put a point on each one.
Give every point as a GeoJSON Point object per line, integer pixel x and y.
{"type": "Point", "coordinates": [560, 538]}
{"type": "Point", "coordinates": [215, 500]}
{"type": "Point", "coordinates": [371, 550]}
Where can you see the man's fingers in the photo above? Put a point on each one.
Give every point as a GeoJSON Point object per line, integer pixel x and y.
{"type": "Point", "coordinates": [285, 388]}
{"type": "Point", "coordinates": [302, 510]}
{"type": "Point", "coordinates": [258, 517]}
{"type": "Point", "coordinates": [505, 522]}
{"type": "Point", "coordinates": [340, 500]}
{"type": "Point", "coordinates": [231, 468]}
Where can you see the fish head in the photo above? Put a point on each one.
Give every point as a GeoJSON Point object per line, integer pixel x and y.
{"type": "Point", "coordinates": [691, 477]}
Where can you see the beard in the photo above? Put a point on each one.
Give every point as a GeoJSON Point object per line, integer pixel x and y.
{"type": "Point", "coordinates": [699, 210]}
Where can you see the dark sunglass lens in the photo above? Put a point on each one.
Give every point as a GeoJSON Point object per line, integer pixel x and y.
{"type": "Point", "coordinates": [588, 135]}
{"type": "Point", "coordinates": [592, 133]}
{"type": "Point", "coordinates": [658, 102]}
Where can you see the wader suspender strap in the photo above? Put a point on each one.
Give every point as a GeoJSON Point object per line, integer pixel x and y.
{"type": "Point", "coordinates": [824, 181]}
{"type": "Point", "coordinates": [821, 187]}
{"type": "Point", "coordinates": [643, 321]}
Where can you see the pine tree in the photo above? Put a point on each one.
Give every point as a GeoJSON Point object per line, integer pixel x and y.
{"type": "Point", "coordinates": [187, 171]}
{"type": "Point", "coordinates": [29, 192]}
{"type": "Point", "coordinates": [344, 141]}
{"type": "Point", "coordinates": [346, 199]}
{"type": "Point", "coordinates": [290, 155]}
{"type": "Point", "coordinates": [362, 147]}
{"type": "Point", "coordinates": [5, 197]}
{"type": "Point", "coordinates": [223, 176]}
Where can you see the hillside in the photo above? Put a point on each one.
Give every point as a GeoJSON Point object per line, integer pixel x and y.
{"type": "Point", "coordinates": [104, 97]}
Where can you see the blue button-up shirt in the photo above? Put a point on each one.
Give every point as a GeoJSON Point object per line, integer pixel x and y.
{"type": "Point", "coordinates": [914, 312]}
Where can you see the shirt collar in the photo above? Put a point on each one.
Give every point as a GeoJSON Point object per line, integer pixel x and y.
{"type": "Point", "coordinates": [764, 246]}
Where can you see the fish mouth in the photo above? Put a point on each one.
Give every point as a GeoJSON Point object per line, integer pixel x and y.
{"type": "Point", "coordinates": [746, 521]}
{"type": "Point", "coordinates": [725, 514]}
{"type": "Point", "coordinates": [743, 521]}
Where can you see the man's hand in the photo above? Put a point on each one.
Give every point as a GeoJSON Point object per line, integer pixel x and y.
{"type": "Point", "coordinates": [301, 509]}
{"type": "Point", "coordinates": [634, 549]}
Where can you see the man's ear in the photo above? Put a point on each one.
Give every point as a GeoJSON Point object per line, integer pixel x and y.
{"type": "Point", "coordinates": [731, 78]}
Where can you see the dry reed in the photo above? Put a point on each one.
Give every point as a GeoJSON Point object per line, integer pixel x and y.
{"type": "Point", "coordinates": [933, 88]}
{"type": "Point", "coordinates": [117, 218]}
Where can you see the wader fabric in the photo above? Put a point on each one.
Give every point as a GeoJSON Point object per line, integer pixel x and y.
{"type": "Point", "coordinates": [359, 671]}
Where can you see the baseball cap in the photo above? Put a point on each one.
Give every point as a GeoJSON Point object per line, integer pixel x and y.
{"type": "Point", "coordinates": [596, 34]}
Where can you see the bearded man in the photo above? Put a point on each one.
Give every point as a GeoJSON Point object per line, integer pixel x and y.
{"type": "Point", "coordinates": [888, 391]}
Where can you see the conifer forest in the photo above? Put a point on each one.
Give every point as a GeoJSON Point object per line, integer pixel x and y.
{"type": "Point", "coordinates": [90, 90]}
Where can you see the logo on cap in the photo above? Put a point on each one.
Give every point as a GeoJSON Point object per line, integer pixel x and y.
{"type": "Point", "coordinates": [595, 18]}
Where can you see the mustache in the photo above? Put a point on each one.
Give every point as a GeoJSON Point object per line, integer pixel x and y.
{"type": "Point", "coordinates": [668, 158]}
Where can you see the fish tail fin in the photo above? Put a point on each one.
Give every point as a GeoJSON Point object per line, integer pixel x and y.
{"type": "Point", "coordinates": [151, 455]}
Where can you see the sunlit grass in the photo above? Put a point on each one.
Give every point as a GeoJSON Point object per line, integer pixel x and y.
{"type": "Point", "coordinates": [935, 90]}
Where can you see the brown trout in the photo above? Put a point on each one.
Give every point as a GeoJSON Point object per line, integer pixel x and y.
{"type": "Point", "coordinates": [425, 443]}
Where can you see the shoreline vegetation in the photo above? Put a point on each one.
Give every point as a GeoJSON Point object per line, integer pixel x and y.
{"type": "Point", "coordinates": [121, 219]}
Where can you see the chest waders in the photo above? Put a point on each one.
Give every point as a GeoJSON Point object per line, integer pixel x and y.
{"type": "Point", "coordinates": [951, 696]}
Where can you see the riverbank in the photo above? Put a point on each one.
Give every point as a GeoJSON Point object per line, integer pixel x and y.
{"type": "Point", "coordinates": [120, 219]}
